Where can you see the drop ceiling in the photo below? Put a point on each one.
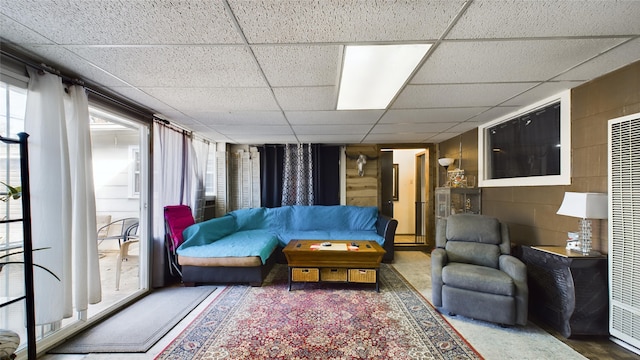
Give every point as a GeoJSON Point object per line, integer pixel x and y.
{"type": "Point", "coordinates": [254, 72]}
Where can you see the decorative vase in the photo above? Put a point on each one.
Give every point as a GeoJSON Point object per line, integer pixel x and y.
{"type": "Point", "coordinates": [9, 342]}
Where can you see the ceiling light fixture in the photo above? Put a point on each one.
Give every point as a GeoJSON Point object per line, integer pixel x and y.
{"type": "Point", "coordinates": [373, 74]}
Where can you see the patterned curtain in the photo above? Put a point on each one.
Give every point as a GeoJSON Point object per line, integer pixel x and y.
{"type": "Point", "coordinates": [297, 182]}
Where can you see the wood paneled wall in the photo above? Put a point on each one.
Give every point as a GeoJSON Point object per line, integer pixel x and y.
{"type": "Point", "coordinates": [451, 149]}
{"type": "Point", "coordinates": [363, 190]}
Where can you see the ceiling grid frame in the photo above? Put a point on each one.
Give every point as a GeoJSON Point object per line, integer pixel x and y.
{"type": "Point", "coordinates": [189, 68]}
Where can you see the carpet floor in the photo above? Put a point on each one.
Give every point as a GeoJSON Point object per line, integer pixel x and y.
{"type": "Point", "coordinates": [320, 321]}
{"type": "Point", "coordinates": [139, 326]}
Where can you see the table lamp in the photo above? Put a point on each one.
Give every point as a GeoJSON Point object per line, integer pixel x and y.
{"type": "Point", "coordinates": [585, 206]}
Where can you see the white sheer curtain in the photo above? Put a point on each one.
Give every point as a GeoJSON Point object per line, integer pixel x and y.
{"type": "Point", "coordinates": [63, 203]}
{"type": "Point", "coordinates": [86, 266]}
{"type": "Point", "coordinates": [170, 179]}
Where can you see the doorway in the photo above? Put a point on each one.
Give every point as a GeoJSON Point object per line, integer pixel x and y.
{"type": "Point", "coordinates": [410, 195]}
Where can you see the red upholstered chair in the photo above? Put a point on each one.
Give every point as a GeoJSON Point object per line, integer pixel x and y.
{"type": "Point", "coordinates": [176, 219]}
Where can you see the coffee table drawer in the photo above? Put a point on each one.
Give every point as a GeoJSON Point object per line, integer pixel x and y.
{"type": "Point", "coordinates": [305, 274]}
{"type": "Point", "coordinates": [362, 275]}
{"type": "Point", "coordinates": [333, 274]}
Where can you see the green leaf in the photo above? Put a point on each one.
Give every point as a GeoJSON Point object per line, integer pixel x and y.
{"type": "Point", "coordinates": [12, 192]}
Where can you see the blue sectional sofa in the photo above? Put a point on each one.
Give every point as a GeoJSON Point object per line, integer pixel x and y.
{"type": "Point", "coordinates": [242, 245]}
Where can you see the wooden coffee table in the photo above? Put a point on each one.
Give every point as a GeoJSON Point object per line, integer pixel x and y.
{"type": "Point", "coordinates": [309, 261]}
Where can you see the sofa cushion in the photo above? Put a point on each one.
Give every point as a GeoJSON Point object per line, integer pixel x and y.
{"type": "Point", "coordinates": [278, 218]}
{"type": "Point", "coordinates": [478, 278]}
{"type": "Point", "coordinates": [250, 219]}
{"type": "Point", "coordinates": [361, 217]}
{"type": "Point", "coordinates": [337, 217]}
{"type": "Point", "coordinates": [208, 231]}
{"type": "Point", "coordinates": [476, 228]}
{"type": "Point", "coordinates": [473, 253]}
{"type": "Point", "coordinates": [239, 244]}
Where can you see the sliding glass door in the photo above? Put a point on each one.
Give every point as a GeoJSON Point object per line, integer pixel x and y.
{"type": "Point", "coordinates": [120, 149]}
{"type": "Point", "coordinates": [120, 165]}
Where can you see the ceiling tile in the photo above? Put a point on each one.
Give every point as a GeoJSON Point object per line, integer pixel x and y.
{"type": "Point", "coordinates": [541, 92]}
{"type": "Point", "coordinates": [139, 96]}
{"type": "Point", "coordinates": [307, 98]}
{"type": "Point", "coordinates": [609, 61]}
{"type": "Point", "coordinates": [430, 115]}
{"type": "Point", "coordinates": [294, 21]}
{"type": "Point", "coordinates": [493, 114]}
{"type": "Point", "coordinates": [334, 117]}
{"type": "Point", "coordinates": [17, 33]}
{"type": "Point", "coordinates": [232, 130]}
{"type": "Point", "coordinates": [215, 99]}
{"type": "Point", "coordinates": [126, 22]}
{"type": "Point", "coordinates": [516, 18]}
{"type": "Point", "coordinates": [507, 61]}
{"type": "Point", "coordinates": [263, 139]}
{"type": "Point", "coordinates": [465, 95]}
{"type": "Point", "coordinates": [72, 64]}
{"type": "Point", "coordinates": [208, 133]}
{"type": "Point", "coordinates": [409, 128]}
{"type": "Point", "coordinates": [463, 127]}
{"type": "Point", "coordinates": [186, 66]}
{"type": "Point", "coordinates": [438, 138]}
{"type": "Point", "coordinates": [397, 138]}
{"type": "Point", "coordinates": [331, 129]}
{"type": "Point", "coordinates": [300, 65]}
{"type": "Point", "coordinates": [333, 139]}
{"type": "Point", "coordinates": [180, 118]}
{"type": "Point", "coordinates": [244, 118]}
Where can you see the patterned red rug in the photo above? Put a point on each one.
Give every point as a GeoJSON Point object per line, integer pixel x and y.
{"type": "Point", "coordinates": [320, 321]}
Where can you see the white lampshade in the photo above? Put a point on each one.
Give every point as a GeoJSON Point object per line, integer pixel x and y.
{"type": "Point", "coordinates": [446, 161]}
{"type": "Point", "coordinates": [584, 205]}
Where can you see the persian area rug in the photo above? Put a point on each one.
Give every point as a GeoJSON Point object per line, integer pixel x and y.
{"type": "Point", "coordinates": [320, 321]}
{"type": "Point", "coordinates": [140, 325]}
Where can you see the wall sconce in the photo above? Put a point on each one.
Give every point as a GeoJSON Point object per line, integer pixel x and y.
{"type": "Point", "coordinates": [585, 206]}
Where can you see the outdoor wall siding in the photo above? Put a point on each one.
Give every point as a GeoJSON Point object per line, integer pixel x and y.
{"type": "Point", "coordinates": [531, 211]}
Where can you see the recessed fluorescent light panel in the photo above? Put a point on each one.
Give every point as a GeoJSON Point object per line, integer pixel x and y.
{"type": "Point", "coordinates": [373, 74]}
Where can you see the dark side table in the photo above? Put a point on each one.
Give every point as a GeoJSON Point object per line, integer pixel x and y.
{"type": "Point", "coordinates": [568, 290]}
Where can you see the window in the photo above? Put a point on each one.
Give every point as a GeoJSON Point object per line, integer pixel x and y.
{"type": "Point", "coordinates": [12, 112]}
{"type": "Point", "coordinates": [134, 171]}
{"type": "Point", "coordinates": [531, 147]}
{"type": "Point", "coordinates": [210, 173]}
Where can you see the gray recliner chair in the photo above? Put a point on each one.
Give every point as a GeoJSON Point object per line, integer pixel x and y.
{"type": "Point", "coordinates": [473, 273]}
